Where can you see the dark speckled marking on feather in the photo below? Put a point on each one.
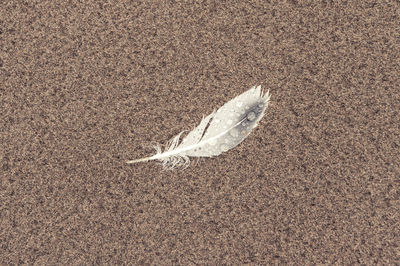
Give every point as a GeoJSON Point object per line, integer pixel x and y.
{"type": "Point", "coordinates": [246, 122]}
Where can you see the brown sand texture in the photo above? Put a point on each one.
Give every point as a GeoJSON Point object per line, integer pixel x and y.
{"type": "Point", "coordinates": [87, 85]}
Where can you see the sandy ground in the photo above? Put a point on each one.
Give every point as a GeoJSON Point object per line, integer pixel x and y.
{"type": "Point", "coordinates": [85, 87]}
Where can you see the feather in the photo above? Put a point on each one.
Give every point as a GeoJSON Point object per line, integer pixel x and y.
{"type": "Point", "coordinates": [218, 132]}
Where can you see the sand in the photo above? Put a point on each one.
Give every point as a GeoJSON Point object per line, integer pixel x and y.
{"type": "Point", "coordinates": [86, 86]}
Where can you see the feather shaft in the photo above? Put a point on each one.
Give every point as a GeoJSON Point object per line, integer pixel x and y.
{"type": "Point", "coordinates": [183, 149]}
{"type": "Point", "coordinates": [142, 160]}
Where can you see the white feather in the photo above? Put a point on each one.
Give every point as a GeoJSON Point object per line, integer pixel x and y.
{"type": "Point", "coordinates": [227, 127]}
